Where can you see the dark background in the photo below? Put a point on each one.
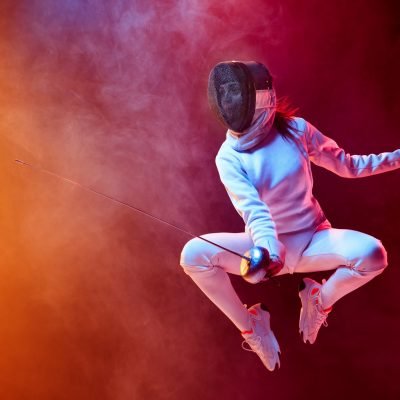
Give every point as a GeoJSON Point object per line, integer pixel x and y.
{"type": "Point", "coordinates": [93, 303]}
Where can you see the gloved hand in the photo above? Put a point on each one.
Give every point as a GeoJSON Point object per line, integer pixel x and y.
{"type": "Point", "coordinates": [258, 265]}
{"type": "Point", "coordinates": [275, 266]}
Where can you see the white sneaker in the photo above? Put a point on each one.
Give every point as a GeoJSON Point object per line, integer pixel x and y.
{"type": "Point", "coordinates": [262, 340]}
{"type": "Point", "coordinates": [312, 315]}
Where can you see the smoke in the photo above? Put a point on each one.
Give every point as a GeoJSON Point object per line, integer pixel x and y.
{"type": "Point", "coordinates": [113, 95]}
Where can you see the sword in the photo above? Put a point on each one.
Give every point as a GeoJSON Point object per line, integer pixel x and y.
{"type": "Point", "coordinates": [137, 209]}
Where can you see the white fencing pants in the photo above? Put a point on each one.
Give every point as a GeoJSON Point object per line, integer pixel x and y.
{"type": "Point", "coordinates": [357, 258]}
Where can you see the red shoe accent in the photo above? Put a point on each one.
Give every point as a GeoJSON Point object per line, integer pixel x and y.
{"type": "Point", "coordinates": [247, 332]}
{"type": "Point", "coordinates": [253, 311]}
{"type": "Point", "coordinates": [314, 291]}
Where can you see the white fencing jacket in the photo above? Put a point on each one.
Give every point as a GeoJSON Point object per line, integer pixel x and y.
{"type": "Point", "coordinates": [270, 184]}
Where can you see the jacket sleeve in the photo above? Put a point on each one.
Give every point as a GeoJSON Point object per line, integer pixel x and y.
{"type": "Point", "coordinates": [325, 152]}
{"type": "Point", "coordinates": [246, 200]}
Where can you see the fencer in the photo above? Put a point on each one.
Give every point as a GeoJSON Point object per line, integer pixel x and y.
{"type": "Point", "coordinates": [264, 164]}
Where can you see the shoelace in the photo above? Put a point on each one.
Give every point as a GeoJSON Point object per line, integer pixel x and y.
{"type": "Point", "coordinates": [322, 318]}
{"type": "Point", "coordinates": [323, 315]}
{"type": "Point", "coordinates": [256, 345]}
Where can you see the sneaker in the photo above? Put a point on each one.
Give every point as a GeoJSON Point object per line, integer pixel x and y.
{"type": "Point", "coordinates": [312, 315]}
{"type": "Point", "coordinates": [262, 340]}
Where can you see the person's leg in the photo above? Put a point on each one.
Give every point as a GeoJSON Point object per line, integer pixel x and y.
{"type": "Point", "coordinates": [208, 265]}
{"type": "Point", "coordinates": [357, 256]}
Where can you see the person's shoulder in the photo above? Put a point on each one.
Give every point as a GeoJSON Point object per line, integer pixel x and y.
{"type": "Point", "coordinates": [299, 124]}
{"type": "Point", "coordinates": [226, 153]}
{"type": "Point", "coordinates": [300, 127]}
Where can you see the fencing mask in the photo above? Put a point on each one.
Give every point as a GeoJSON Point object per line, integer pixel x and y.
{"type": "Point", "coordinates": [236, 89]}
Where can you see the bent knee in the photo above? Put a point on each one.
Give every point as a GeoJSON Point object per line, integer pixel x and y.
{"type": "Point", "coordinates": [376, 259]}
{"type": "Point", "coordinates": [194, 257]}
{"type": "Point", "coordinates": [191, 253]}
{"type": "Point", "coordinates": [379, 255]}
